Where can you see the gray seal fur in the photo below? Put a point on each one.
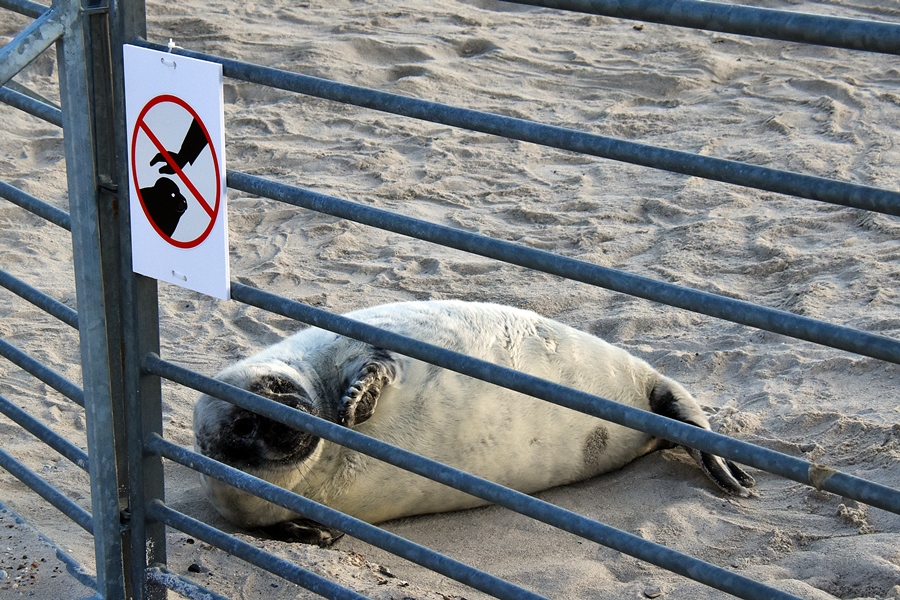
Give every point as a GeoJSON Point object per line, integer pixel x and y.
{"type": "Point", "coordinates": [518, 441]}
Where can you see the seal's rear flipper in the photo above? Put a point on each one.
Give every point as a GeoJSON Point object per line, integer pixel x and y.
{"type": "Point", "coordinates": [669, 399]}
{"type": "Point", "coordinates": [303, 531]}
{"type": "Point", "coordinates": [728, 476]}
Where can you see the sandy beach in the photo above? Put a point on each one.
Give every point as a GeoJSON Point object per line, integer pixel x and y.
{"type": "Point", "coordinates": [813, 110]}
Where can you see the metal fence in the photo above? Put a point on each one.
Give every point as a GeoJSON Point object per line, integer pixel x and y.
{"type": "Point", "coordinates": [118, 314]}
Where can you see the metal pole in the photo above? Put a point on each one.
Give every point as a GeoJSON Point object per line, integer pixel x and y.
{"type": "Point", "coordinates": [88, 119]}
{"type": "Point", "coordinates": [140, 318]}
{"type": "Point", "coordinates": [30, 43]}
{"type": "Point", "coordinates": [838, 32]}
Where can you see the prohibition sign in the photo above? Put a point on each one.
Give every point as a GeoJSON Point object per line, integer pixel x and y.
{"type": "Point", "coordinates": [202, 221]}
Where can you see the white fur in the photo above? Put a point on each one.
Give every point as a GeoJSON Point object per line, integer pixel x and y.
{"type": "Point", "coordinates": [515, 440]}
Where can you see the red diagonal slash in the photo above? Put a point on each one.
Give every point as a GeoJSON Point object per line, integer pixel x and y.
{"type": "Point", "coordinates": [171, 162]}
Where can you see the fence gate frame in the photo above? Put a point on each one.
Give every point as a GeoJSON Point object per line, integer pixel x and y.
{"type": "Point", "coordinates": [118, 314]}
{"type": "Point", "coordinates": [118, 311]}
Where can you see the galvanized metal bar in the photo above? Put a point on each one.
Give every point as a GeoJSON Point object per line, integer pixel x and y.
{"type": "Point", "coordinates": [39, 299]}
{"type": "Point", "coordinates": [78, 571]}
{"type": "Point", "coordinates": [26, 91]}
{"type": "Point", "coordinates": [24, 7]}
{"type": "Point", "coordinates": [83, 56]}
{"type": "Point", "coordinates": [687, 435]}
{"type": "Point", "coordinates": [627, 543]}
{"type": "Point", "coordinates": [72, 566]}
{"type": "Point", "coordinates": [31, 105]}
{"type": "Point", "coordinates": [31, 42]}
{"type": "Point", "coordinates": [39, 207]}
{"type": "Point", "coordinates": [737, 311]}
{"type": "Point", "coordinates": [838, 32]}
{"type": "Point", "coordinates": [42, 372]}
{"type": "Point", "coordinates": [249, 553]}
{"type": "Point", "coordinates": [359, 529]}
{"type": "Point", "coordinates": [46, 491]}
{"type": "Point", "coordinates": [44, 433]}
{"type": "Point", "coordinates": [143, 402]}
{"type": "Point", "coordinates": [676, 161]}
{"type": "Point", "coordinates": [181, 585]}
{"type": "Point", "coordinates": [140, 329]}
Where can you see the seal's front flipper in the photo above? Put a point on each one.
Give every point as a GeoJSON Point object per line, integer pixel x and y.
{"type": "Point", "coordinates": [361, 396]}
{"type": "Point", "coordinates": [303, 531]}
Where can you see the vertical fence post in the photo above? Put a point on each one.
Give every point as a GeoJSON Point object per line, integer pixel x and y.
{"type": "Point", "coordinates": [140, 318]}
{"type": "Point", "coordinates": [118, 316]}
{"type": "Point", "coordinates": [96, 284]}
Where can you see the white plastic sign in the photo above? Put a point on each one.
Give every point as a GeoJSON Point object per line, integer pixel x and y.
{"type": "Point", "coordinates": [176, 161]}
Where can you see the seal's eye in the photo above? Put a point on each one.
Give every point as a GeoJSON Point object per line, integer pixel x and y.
{"type": "Point", "coordinates": [244, 427]}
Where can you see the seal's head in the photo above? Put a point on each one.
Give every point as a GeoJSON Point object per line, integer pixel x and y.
{"type": "Point", "coordinates": [249, 441]}
{"type": "Point", "coordinates": [330, 385]}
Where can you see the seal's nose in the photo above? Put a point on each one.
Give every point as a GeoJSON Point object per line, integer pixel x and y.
{"type": "Point", "coordinates": [244, 427]}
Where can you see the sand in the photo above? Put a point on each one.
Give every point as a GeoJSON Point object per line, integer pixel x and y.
{"type": "Point", "coordinates": [814, 110]}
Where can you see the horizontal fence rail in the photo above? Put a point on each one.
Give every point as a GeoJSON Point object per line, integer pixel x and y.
{"type": "Point", "coordinates": [49, 305]}
{"type": "Point", "coordinates": [737, 311]}
{"type": "Point", "coordinates": [42, 372]}
{"type": "Point", "coordinates": [30, 105]}
{"type": "Point", "coordinates": [72, 566]}
{"type": "Point", "coordinates": [66, 448]}
{"type": "Point", "coordinates": [260, 558]}
{"type": "Point", "coordinates": [39, 207]}
{"type": "Point", "coordinates": [337, 520]}
{"type": "Point", "coordinates": [838, 32]}
{"type": "Point", "coordinates": [24, 7]}
{"type": "Point", "coordinates": [676, 161]}
{"type": "Point", "coordinates": [46, 491]}
{"type": "Point", "coordinates": [627, 543]}
{"type": "Point", "coordinates": [180, 585]}
{"type": "Point", "coordinates": [821, 477]}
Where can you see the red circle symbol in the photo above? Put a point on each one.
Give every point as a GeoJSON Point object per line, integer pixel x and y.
{"type": "Point", "coordinates": [164, 228]}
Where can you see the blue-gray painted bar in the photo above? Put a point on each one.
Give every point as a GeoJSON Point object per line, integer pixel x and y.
{"type": "Point", "coordinates": [682, 433]}
{"type": "Point", "coordinates": [839, 32]}
{"type": "Point", "coordinates": [44, 433]}
{"type": "Point", "coordinates": [24, 7]}
{"type": "Point", "coordinates": [737, 311]}
{"type": "Point", "coordinates": [36, 206]}
{"type": "Point", "coordinates": [39, 299]}
{"type": "Point", "coordinates": [42, 372]}
{"type": "Point", "coordinates": [140, 327]}
{"type": "Point", "coordinates": [181, 585]}
{"type": "Point", "coordinates": [686, 163]}
{"type": "Point", "coordinates": [332, 518]}
{"type": "Point", "coordinates": [32, 41]}
{"type": "Point", "coordinates": [77, 570]}
{"type": "Point", "coordinates": [632, 545]}
{"type": "Point", "coordinates": [85, 96]}
{"type": "Point", "coordinates": [32, 106]}
{"type": "Point", "coordinates": [245, 551]}
{"type": "Point", "coordinates": [72, 566]}
{"type": "Point", "coordinates": [47, 491]}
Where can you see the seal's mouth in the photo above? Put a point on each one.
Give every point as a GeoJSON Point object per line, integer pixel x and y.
{"type": "Point", "coordinates": [249, 441]}
{"type": "Point", "coordinates": [246, 440]}
{"type": "Point", "coordinates": [291, 453]}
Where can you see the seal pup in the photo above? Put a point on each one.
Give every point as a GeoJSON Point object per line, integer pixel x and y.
{"type": "Point", "coordinates": [512, 439]}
